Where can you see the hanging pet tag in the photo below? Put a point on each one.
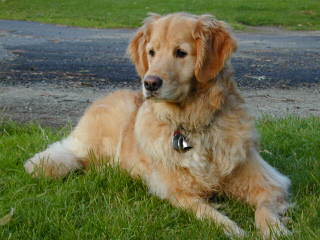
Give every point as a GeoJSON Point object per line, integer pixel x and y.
{"type": "Point", "coordinates": [180, 143]}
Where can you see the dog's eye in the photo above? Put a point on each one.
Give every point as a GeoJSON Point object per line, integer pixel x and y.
{"type": "Point", "coordinates": [151, 52]}
{"type": "Point", "coordinates": [180, 53]}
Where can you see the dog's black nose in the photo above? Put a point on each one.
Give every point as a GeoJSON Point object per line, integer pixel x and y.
{"type": "Point", "coordinates": [152, 83]}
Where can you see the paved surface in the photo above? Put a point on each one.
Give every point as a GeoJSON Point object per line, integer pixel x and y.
{"type": "Point", "coordinates": [72, 66]}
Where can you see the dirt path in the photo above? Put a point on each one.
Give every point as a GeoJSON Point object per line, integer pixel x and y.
{"type": "Point", "coordinates": [50, 74]}
{"type": "Point", "coordinates": [57, 106]}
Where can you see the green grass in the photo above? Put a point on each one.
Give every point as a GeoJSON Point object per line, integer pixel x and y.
{"type": "Point", "coordinates": [108, 204]}
{"type": "Point", "coordinates": [292, 14]}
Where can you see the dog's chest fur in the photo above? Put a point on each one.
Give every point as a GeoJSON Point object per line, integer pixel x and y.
{"type": "Point", "coordinates": [203, 165]}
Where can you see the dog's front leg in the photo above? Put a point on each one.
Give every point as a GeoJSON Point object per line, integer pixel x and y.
{"type": "Point", "coordinates": [265, 188]}
{"type": "Point", "coordinates": [203, 210]}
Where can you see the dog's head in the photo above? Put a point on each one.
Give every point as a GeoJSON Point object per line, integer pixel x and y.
{"type": "Point", "coordinates": [177, 52]}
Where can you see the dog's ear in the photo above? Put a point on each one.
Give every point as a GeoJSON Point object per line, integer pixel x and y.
{"type": "Point", "coordinates": [214, 46]}
{"type": "Point", "coordinates": [137, 46]}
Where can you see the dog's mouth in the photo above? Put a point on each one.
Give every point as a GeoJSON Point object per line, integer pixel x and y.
{"type": "Point", "coordinates": [164, 94]}
{"type": "Point", "coordinates": [158, 96]}
{"type": "Point", "coordinates": [151, 94]}
{"type": "Point", "coordinates": [149, 97]}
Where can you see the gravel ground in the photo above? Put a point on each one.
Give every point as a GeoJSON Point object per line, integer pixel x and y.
{"type": "Point", "coordinates": [50, 73]}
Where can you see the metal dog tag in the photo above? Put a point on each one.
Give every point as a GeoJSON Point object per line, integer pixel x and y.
{"type": "Point", "coordinates": [180, 143]}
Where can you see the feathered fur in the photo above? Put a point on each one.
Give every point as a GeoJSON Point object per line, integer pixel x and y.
{"type": "Point", "coordinates": [199, 98]}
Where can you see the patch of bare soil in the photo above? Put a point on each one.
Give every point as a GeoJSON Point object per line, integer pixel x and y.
{"type": "Point", "coordinates": [57, 106]}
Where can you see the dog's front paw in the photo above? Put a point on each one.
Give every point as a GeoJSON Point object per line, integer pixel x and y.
{"type": "Point", "coordinates": [270, 224]}
{"type": "Point", "coordinates": [274, 231]}
{"type": "Point", "coordinates": [232, 230]}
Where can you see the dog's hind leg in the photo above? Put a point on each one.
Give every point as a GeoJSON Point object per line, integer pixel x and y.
{"type": "Point", "coordinates": [99, 131]}
{"type": "Point", "coordinates": [58, 159]}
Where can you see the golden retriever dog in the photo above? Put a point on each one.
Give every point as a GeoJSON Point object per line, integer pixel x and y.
{"type": "Point", "coordinates": [187, 134]}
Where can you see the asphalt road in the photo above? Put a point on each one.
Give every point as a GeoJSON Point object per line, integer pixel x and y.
{"type": "Point", "coordinates": [49, 74]}
{"type": "Point", "coordinates": [36, 54]}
